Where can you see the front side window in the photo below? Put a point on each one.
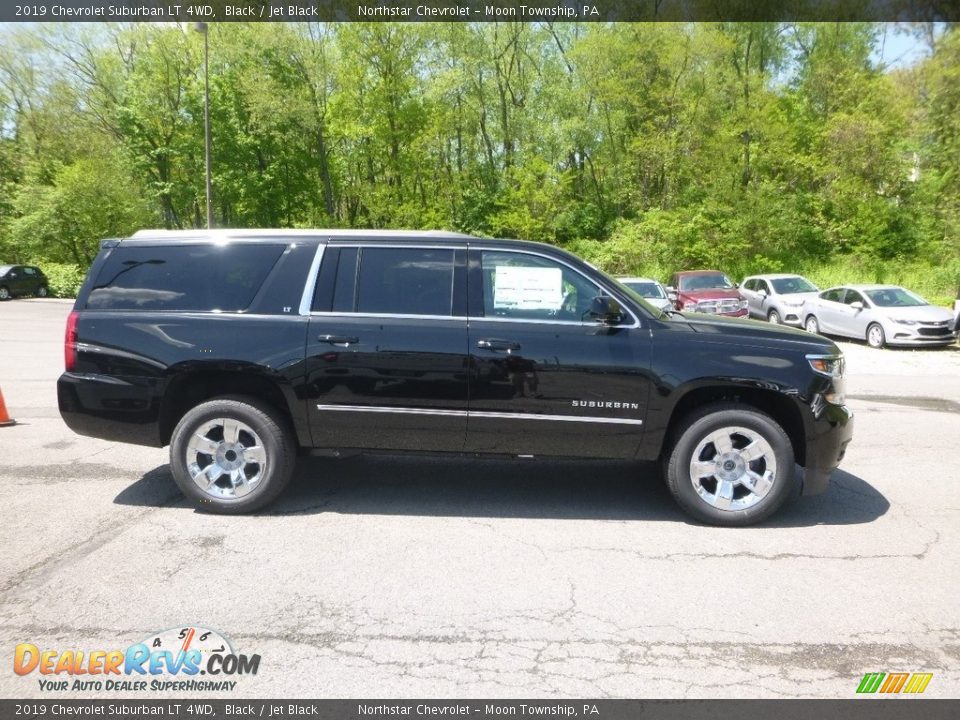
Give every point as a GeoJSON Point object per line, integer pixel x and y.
{"type": "Point", "coordinates": [531, 287]}
{"type": "Point", "coordinates": [852, 297]}
{"type": "Point", "coordinates": [405, 281]}
{"type": "Point", "coordinates": [213, 276]}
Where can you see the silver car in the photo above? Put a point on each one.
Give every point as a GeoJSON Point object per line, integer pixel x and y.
{"type": "Point", "coordinates": [777, 298]}
{"type": "Point", "coordinates": [650, 290]}
{"type": "Point", "coordinates": [882, 314]}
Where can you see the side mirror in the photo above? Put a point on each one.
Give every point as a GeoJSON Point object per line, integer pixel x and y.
{"type": "Point", "coordinates": [606, 310]}
{"type": "Point", "coordinates": [857, 305]}
{"type": "Point", "coordinates": [762, 292]}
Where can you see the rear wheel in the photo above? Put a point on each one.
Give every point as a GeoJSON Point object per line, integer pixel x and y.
{"type": "Point", "coordinates": [731, 465]}
{"type": "Point", "coordinates": [875, 336]}
{"type": "Point", "coordinates": [232, 455]}
{"type": "Point", "coordinates": [42, 291]}
{"type": "Point", "coordinates": [811, 325]}
{"type": "Point", "coordinates": [774, 317]}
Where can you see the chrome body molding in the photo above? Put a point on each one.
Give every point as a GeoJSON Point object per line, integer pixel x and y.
{"type": "Point", "coordinates": [477, 414]}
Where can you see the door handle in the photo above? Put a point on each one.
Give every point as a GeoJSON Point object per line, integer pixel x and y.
{"type": "Point", "coordinates": [498, 345]}
{"type": "Point", "coordinates": [338, 339]}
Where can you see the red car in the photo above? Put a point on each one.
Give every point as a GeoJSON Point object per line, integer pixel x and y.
{"type": "Point", "coordinates": [706, 291]}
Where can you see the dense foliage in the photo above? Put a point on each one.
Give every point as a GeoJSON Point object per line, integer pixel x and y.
{"type": "Point", "coordinates": [644, 147]}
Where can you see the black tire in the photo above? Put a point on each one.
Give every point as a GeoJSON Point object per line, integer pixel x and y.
{"type": "Point", "coordinates": [774, 317]}
{"type": "Point", "coordinates": [875, 336]}
{"type": "Point", "coordinates": [259, 422]}
{"type": "Point", "coordinates": [5, 293]}
{"type": "Point", "coordinates": [812, 325]}
{"type": "Point", "coordinates": [696, 429]}
{"type": "Point", "coordinates": [42, 291]}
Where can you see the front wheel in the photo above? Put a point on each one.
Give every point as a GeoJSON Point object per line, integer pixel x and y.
{"type": "Point", "coordinates": [774, 317]}
{"type": "Point", "coordinates": [4, 293]}
{"type": "Point", "coordinates": [875, 336]}
{"type": "Point", "coordinates": [731, 465]}
{"type": "Point", "coordinates": [232, 455]}
{"type": "Point", "coordinates": [811, 325]}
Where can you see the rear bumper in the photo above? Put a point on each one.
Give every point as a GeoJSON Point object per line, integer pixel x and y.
{"type": "Point", "coordinates": [826, 447]}
{"type": "Point", "coordinates": [109, 408]}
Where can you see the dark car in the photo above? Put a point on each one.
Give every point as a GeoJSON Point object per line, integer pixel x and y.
{"type": "Point", "coordinates": [18, 280]}
{"type": "Point", "coordinates": [707, 291]}
{"type": "Point", "coordinates": [243, 349]}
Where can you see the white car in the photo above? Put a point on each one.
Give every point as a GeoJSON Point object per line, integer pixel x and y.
{"type": "Point", "coordinates": [777, 298]}
{"type": "Point", "coordinates": [650, 290]}
{"type": "Point", "coordinates": [881, 314]}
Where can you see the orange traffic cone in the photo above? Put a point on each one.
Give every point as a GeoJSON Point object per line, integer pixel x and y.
{"type": "Point", "coordinates": [5, 418]}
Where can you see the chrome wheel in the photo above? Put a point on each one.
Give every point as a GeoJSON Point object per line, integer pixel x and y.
{"type": "Point", "coordinates": [42, 292]}
{"type": "Point", "coordinates": [733, 468]}
{"type": "Point", "coordinates": [4, 294]}
{"type": "Point", "coordinates": [225, 458]}
{"type": "Point", "coordinates": [774, 317]}
{"type": "Point", "coordinates": [811, 325]}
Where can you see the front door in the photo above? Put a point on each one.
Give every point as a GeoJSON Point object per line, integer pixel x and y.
{"type": "Point", "coordinates": [387, 349]}
{"type": "Point", "coordinates": [546, 379]}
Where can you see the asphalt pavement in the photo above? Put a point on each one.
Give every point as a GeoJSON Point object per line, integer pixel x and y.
{"type": "Point", "coordinates": [410, 577]}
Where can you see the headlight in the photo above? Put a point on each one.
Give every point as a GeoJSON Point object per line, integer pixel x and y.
{"type": "Point", "coordinates": [904, 322]}
{"type": "Point", "coordinates": [831, 365]}
{"type": "Point", "coordinates": [793, 303]}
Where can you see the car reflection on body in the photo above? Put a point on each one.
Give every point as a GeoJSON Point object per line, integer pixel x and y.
{"type": "Point", "coordinates": [880, 314]}
{"type": "Point", "coordinates": [649, 289]}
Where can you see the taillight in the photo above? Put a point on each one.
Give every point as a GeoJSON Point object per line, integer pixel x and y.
{"type": "Point", "coordinates": [70, 342]}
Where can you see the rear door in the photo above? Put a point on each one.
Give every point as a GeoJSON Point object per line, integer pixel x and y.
{"type": "Point", "coordinates": [749, 290]}
{"type": "Point", "coordinates": [853, 321]}
{"type": "Point", "coordinates": [545, 378]}
{"type": "Point", "coordinates": [828, 310]}
{"type": "Point", "coordinates": [387, 348]}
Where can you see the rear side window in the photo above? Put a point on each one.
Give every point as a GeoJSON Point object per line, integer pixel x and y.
{"type": "Point", "coordinates": [184, 277]}
{"type": "Point", "coordinates": [405, 281]}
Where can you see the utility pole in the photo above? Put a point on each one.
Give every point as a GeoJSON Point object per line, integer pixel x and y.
{"type": "Point", "coordinates": [201, 27]}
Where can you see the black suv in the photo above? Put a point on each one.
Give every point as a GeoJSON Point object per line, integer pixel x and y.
{"type": "Point", "coordinates": [22, 280]}
{"type": "Point", "coordinates": [240, 349]}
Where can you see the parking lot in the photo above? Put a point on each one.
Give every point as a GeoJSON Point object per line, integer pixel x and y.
{"type": "Point", "coordinates": [405, 577]}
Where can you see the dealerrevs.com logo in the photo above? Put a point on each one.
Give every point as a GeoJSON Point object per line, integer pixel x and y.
{"type": "Point", "coordinates": [180, 659]}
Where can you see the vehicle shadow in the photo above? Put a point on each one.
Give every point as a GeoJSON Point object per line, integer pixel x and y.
{"type": "Point", "coordinates": [484, 487]}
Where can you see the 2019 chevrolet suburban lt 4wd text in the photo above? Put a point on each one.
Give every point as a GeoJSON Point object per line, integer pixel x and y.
{"type": "Point", "coordinates": [241, 349]}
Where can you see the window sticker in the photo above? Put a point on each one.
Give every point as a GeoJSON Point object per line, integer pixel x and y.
{"type": "Point", "coordinates": [527, 288]}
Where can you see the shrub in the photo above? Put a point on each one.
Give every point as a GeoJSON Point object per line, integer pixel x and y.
{"type": "Point", "coordinates": [64, 279]}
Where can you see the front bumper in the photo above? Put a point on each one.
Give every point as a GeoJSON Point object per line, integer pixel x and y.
{"type": "Point", "coordinates": [900, 335]}
{"type": "Point", "coordinates": [826, 447]}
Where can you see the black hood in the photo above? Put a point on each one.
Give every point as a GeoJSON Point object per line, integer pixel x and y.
{"type": "Point", "coordinates": [757, 332]}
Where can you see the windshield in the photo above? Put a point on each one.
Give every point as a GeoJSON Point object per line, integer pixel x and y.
{"type": "Point", "coordinates": [705, 282]}
{"type": "Point", "coordinates": [790, 285]}
{"type": "Point", "coordinates": [895, 297]}
{"type": "Point", "coordinates": [647, 289]}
